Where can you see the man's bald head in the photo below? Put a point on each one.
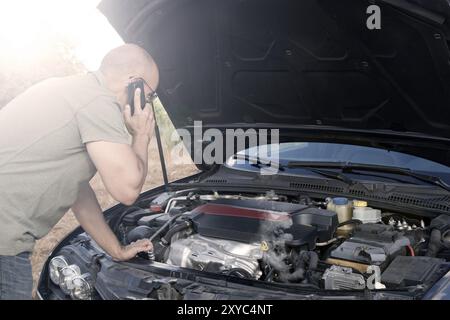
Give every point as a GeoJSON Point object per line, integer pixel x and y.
{"type": "Point", "coordinates": [127, 62]}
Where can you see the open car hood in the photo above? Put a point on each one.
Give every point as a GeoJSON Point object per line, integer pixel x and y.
{"type": "Point", "coordinates": [309, 67]}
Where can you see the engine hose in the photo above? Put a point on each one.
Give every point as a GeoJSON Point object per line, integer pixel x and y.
{"type": "Point", "coordinates": [311, 258]}
{"type": "Point", "coordinates": [323, 244]}
{"type": "Point", "coordinates": [166, 240]}
{"type": "Point", "coordinates": [411, 251]}
{"type": "Point", "coordinates": [446, 239]}
{"type": "Point", "coordinates": [122, 215]}
{"type": "Point", "coordinates": [237, 272]}
{"type": "Point", "coordinates": [307, 260]}
{"type": "Point", "coordinates": [298, 211]}
{"type": "Point", "coordinates": [434, 244]}
{"type": "Point", "coordinates": [352, 221]}
{"type": "Point", "coordinates": [165, 225]}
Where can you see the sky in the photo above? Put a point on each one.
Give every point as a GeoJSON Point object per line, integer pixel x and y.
{"type": "Point", "coordinates": [26, 28]}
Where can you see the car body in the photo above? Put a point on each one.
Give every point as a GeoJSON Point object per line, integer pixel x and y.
{"type": "Point", "coordinates": [359, 204]}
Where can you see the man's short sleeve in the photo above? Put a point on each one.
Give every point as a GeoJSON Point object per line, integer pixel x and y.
{"type": "Point", "coordinates": [102, 120]}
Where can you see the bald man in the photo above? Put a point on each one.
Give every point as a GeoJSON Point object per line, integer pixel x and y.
{"type": "Point", "coordinates": [54, 137]}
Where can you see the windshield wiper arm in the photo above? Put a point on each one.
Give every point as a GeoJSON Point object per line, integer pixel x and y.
{"type": "Point", "coordinates": [257, 161]}
{"type": "Point", "coordinates": [333, 175]}
{"type": "Point", "coordinates": [351, 167]}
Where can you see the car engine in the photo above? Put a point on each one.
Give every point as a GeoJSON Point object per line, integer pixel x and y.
{"type": "Point", "coordinates": [332, 244]}
{"type": "Point", "coordinates": [216, 255]}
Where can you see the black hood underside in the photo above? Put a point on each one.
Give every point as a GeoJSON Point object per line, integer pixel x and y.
{"type": "Point", "coordinates": [307, 64]}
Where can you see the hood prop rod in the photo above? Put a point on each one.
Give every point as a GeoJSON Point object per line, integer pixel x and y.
{"type": "Point", "coordinates": [160, 150]}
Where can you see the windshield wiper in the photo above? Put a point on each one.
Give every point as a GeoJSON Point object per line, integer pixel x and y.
{"type": "Point", "coordinates": [332, 175]}
{"type": "Point", "coordinates": [352, 167]}
{"type": "Point", "coordinates": [258, 162]}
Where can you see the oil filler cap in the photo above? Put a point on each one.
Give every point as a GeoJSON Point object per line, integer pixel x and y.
{"type": "Point", "coordinates": [340, 201]}
{"type": "Point", "coordinates": [359, 203]}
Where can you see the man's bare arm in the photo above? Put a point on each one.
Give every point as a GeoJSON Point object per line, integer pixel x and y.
{"type": "Point", "coordinates": [89, 214]}
{"type": "Point", "coordinates": [122, 168]}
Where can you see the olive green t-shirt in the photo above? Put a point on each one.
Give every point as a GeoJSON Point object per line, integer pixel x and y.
{"type": "Point", "coordinates": [43, 157]}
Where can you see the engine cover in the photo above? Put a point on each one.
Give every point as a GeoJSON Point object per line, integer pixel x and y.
{"type": "Point", "coordinates": [216, 255]}
{"type": "Point", "coordinates": [251, 221]}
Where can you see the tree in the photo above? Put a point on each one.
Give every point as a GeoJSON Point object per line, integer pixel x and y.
{"type": "Point", "coordinates": [20, 69]}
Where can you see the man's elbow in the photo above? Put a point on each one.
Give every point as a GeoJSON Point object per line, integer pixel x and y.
{"type": "Point", "coordinates": [125, 187]}
{"type": "Point", "coordinates": [128, 202]}
{"type": "Point", "coordinates": [127, 197]}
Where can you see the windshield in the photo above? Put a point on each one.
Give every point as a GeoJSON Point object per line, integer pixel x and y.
{"type": "Point", "coordinates": [331, 152]}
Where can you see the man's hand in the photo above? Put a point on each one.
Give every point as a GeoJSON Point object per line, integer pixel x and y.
{"type": "Point", "coordinates": [90, 216]}
{"type": "Point", "coordinates": [142, 122]}
{"type": "Point", "coordinates": [130, 251]}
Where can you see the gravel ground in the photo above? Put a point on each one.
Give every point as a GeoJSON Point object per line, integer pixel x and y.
{"type": "Point", "coordinates": [68, 223]}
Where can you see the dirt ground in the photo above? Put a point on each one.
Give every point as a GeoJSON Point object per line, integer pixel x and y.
{"type": "Point", "coordinates": [154, 178]}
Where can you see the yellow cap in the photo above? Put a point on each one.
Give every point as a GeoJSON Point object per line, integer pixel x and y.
{"type": "Point", "coordinates": [264, 246]}
{"type": "Point", "coordinates": [359, 203]}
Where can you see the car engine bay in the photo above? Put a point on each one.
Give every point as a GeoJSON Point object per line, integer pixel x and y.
{"type": "Point", "coordinates": [330, 244]}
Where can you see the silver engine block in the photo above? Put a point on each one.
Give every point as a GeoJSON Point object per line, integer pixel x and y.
{"type": "Point", "coordinates": [196, 252]}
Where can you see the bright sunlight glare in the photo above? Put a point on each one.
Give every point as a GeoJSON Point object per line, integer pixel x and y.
{"type": "Point", "coordinates": [31, 28]}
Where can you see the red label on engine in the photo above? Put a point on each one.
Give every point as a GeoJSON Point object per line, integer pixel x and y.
{"type": "Point", "coordinates": [226, 210]}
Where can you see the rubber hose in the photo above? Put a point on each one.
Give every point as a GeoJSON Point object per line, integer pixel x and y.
{"type": "Point", "coordinates": [165, 225]}
{"type": "Point", "coordinates": [298, 211]}
{"type": "Point", "coordinates": [446, 239]}
{"type": "Point", "coordinates": [434, 244]}
{"type": "Point", "coordinates": [313, 260]}
{"type": "Point", "coordinates": [167, 239]}
{"type": "Point", "coordinates": [352, 221]}
{"type": "Point", "coordinates": [122, 215]}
